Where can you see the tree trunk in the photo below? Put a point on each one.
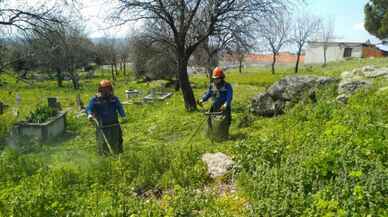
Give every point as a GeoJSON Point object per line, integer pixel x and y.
{"type": "Point", "coordinates": [240, 60]}
{"type": "Point", "coordinates": [74, 80]}
{"type": "Point", "coordinates": [297, 61]}
{"type": "Point", "coordinates": [116, 71]}
{"type": "Point", "coordinates": [324, 56]}
{"type": "Point", "coordinates": [211, 62]}
{"type": "Point", "coordinates": [75, 83]}
{"type": "Point", "coordinates": [59, 78]}
{"type": "Point", "coordinates": [273, 63]}
{"type": "Point", "coordinates": [177, 86]}
{"type": "Point", "coordinates": [125, 69]}
{"type": "Point", "coordinates": [113, 72]}
{"type": "Point", "coordinates": [209, 66]}
{"type": "Point", "coordinates": [184, 83]}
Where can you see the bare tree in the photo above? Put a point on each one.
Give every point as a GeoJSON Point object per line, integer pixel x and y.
{"type": "Point", "coordinates": [210, 49]}
{"type": "Point", "coordinates": [275, 32]}
{"type": "Point", "coordinates": [108, 54]}
{"type": "Point", "coordinates": [237, 42]}
{"type": "Point", "coordinates": [327, 35]}
{"type": "Point", "coordinates": [241, 42]}
{"type": "Point", "coordinates": [304, 28]}
{"type": "Point", "coordinates": [17, 55]}
{"type": "Point", "coordinates": [152, 59]}
{"type": "Point", "coordinates": [112, 55]}
{"type": "Point", "coordinates": [123, 54]}
{"type": "Point", "coordinates": [207, 53]}
{"type": "Point", "coordinates": [24, 17]}
{"type": "Point", "coordinates": [191, 22]}
{"type": "Point", "coordinates": [62, 50]}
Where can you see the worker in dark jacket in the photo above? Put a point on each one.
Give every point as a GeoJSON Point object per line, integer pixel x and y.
{"type": "Point", "coordinates": [221, 93]}
{"type": "Point", "coordinates": [104, 109]}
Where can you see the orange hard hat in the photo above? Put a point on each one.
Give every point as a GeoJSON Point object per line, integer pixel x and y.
{"type": "Point", "coordinates": [105, 83]}
{"type": "Point", "coordinates": [218, 73]}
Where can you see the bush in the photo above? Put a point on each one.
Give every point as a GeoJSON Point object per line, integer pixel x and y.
{"type": "Point", "coordinates": [318, 160]}
{"type": "Point", "coordinates": [41, 114]}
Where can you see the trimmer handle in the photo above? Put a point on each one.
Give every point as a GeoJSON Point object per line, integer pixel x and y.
{"type": "Point", "coordinates": [213, 113]}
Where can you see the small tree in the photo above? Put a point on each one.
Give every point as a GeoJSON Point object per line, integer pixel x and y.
{"type": "Point", "coordinates": [304, 28]}
{"type": "Point", "coordinates": [275, 33]}
{"type": "Point", "coordinates": [327, 35]}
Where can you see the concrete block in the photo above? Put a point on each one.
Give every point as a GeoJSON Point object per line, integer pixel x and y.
{"type": "Point", "coordinates": [43, 131]}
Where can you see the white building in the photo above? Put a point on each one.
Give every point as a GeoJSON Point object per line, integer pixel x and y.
{"type": "Point", "coordinates": [338, 51]}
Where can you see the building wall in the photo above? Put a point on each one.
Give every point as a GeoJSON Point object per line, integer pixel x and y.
{"type": "Point", "coordinates": [371, 52]}
{"type": "Point", "coordinates": [314, 54]}
{"type": "Point", "coordinates": [282, 58]}
{"type": "Point", "coordinates": [357, 52]}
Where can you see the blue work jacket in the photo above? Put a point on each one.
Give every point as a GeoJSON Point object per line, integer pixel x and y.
{"type": "Point", "coordinates": [221, 96]}
{"type": "Point", "coordinates": [106, 109]}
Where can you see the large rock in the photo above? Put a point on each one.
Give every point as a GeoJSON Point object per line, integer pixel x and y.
{"type": "Point", "coordinates": [291, 88]}
{"type": "Point", "coordinates": [218, 164]}
{"type": "Point", "coordinates": [357, 79]}
{"type": "Point", "coordinates": [348, 87]}
{"type": "Point", "coordinates": [343, 98]}
{"type": "Point", "coordinates": [347, 75]}
{"type": "Point", "coordinates": [264, 104]}
{"type": "Point", "coordinates": [364, 73]}
{"type": "Point", "coordinates": [369, 73]}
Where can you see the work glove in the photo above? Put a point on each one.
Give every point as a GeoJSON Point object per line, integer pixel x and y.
{"type": "Point", "coordinates": [91, 120]}
{"type": "Point", "coordinates": [200, 102]}
{"type": "Point", "coordinates": [223, 107]}
{"type": "Point", "coordinates": [90, 117]}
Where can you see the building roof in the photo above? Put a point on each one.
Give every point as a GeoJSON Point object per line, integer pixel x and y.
{"type": "Point", "coordinates": [337, 43]}
{"type": "Point", "coordinates": [383, 47]}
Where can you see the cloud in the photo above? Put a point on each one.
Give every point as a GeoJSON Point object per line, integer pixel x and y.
{"type": "Point", "coordinates": [359, 26]}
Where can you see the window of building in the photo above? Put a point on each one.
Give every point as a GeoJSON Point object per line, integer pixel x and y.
{"type": "Point", "coordinates": [348, 52]}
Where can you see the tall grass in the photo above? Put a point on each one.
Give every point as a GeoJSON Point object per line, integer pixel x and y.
{"type": "Point", "coordinates": [321, 159]}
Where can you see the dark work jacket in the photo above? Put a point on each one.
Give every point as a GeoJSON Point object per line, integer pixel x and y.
{"type": "Point", "coordinates": [106, 109]}
{"type": "Point", "coordinates": [220, 96]}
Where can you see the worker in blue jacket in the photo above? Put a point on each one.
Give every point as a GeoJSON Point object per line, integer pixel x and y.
{"type": "Point", "coordinates": [221, 93]}
{"type": "Point", "coordinates": [105, 108]}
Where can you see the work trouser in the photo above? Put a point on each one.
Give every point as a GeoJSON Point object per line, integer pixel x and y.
{"type": "Point", "coordinates": [218, 125]}
{"type": "Point", "coordinates": [114, 136]}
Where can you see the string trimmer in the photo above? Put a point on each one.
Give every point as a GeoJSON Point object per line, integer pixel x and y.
{"type": "Point", "coordinates": [98, 126]}
{"type": "Point", "coordinates": [207, 113]}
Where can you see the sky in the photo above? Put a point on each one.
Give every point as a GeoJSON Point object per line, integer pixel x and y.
{"type": "Point", "coordinates": [348, 17]}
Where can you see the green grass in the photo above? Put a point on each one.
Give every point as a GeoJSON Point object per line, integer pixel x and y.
{"type": "Point", "coordinates": [320, 159]}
